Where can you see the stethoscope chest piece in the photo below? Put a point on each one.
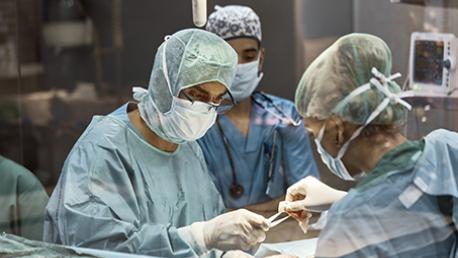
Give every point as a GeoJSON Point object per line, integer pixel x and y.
{"type": "Point", "coordinates": [236, 191]}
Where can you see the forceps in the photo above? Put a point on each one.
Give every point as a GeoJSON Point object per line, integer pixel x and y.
{"type": "Point", "coordinates": [273, 219]}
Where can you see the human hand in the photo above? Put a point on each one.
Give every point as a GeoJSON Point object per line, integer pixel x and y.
{"type": "Point", "coordinates": [308, 192]}
{"type": "Point", "coordinates": [239, 229]}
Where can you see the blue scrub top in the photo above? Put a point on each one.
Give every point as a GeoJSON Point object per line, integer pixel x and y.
{"type": "Point", "coordinates": [292, 156]}
{"type": "Point", "coordinates": [396, 210]}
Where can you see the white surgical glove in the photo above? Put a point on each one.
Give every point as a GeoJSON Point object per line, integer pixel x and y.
{"type": "Point", "coordinates": [240, 229]}
{"type": "Point", "coordinates": [308, 192]}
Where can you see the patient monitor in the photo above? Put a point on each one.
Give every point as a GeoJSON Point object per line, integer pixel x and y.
{"type": "Point", "coordinates": [432, 64]}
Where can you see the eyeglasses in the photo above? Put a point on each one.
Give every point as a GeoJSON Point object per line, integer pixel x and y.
{"type": "Point", "coordinates": [225, 104]}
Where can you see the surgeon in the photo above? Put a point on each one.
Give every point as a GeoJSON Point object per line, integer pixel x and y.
{"type": "Point", "coordinates": [259, 147]}
{"type": "Point", "coordinates": [136, 180]}
{"type": "Point", "coordinates": [404, 202]}
{"type": "Point", "coordinates": [22, 200]}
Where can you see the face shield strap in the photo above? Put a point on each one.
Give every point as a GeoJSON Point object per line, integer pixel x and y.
{"type": "Point", "coordinates": [391, 98]}
{"type": "Point", "coordinates": [383, 87]}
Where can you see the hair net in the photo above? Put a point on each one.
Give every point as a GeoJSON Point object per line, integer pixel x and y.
{"type": "Point", "coordinates": [235, 21]}
{"type": "Point", "coordinates": [338, 71]}
{"type": "Point", "coordinates": [191, 57]}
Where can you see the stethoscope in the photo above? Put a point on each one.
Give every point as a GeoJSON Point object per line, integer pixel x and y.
{"type": "Point", "coordinates": [281, 115]}
{"type": "Point", "coordinates": [236, 190]}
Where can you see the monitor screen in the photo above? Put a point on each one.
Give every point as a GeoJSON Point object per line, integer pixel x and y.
{"type": "Point", "coordinates": [428, 62]}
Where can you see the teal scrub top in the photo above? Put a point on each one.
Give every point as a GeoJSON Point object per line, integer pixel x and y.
{"type": "Point", "coordinates": [117, 192]}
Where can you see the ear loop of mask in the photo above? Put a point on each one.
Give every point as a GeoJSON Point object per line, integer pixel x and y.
{"type": "Point", "coordinates": [165, 71]}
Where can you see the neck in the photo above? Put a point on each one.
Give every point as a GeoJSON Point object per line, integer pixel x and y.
{"type": "Point", "coordinates": [368, 152]}
{"type": "Point", "coordinates": [240, 116]}
{"type": "Point", "coordinates": [150, 136]}
{"type": "Point", "coordinates": [242, 108]}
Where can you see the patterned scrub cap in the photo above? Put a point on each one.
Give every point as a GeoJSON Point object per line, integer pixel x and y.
{"type": "Point", "coordinates": [235, 21]}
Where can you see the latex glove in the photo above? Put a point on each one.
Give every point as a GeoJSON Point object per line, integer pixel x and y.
{"type": "Point", "coordinates": [308, 192]}
{"type": "Point", "coordinates": [236, 254]}
{"type": "Point", "coordinates": [240, 229]}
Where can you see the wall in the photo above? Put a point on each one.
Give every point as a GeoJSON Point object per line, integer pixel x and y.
{"type": "Point", "coordinates": [277, 24]}
{"type": "Point", "coordinates": [392, 22]}
{"type": "Point", "coordinates": [326, 18]}
{"type": "Point", "coordinates": [146, 22]}
{"type": "Point", "coordinates": [395, 23]}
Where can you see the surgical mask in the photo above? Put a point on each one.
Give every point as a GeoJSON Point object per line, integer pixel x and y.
{"type": "Point", "coordinates": [188, 121]}
{"type": "Point", "coordinates": [379, 81]}
{"type": "Point", "coordinates": [246, 80]}
{"type": "Point", "coordinates": [185, 121]}
{"type": "Point", "coordinates": [334, 164]}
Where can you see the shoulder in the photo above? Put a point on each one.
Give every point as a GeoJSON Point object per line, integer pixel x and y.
{"type": "Point", "coordinates": [9, 168]}
{"type": "Point", "coordinates": [442, 136]}
{"type": "Point", "coordinates": [436, 168]}
{"type": "Point", "coordinates": [286, 105]}
{"type": "Point", "coordinates": [262, 96]}
{"type": "Point", "coordinates": [103, 140]}
{"type": "Point", "coordinates": [103, 130]}
{"type": "Point", "coordinates": [12, 172]}
{"type": "Point", "coordinates": [440, 145]}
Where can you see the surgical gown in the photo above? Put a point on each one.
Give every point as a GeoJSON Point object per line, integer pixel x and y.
{"type": "Point", "coordinates": [403, 208]}
{"type": "Point", "coordinates": [289, 153]}
{"type": "Point", "coordinates": [119, 193]}
{"type": "Point", "coordinates": [22, 201]}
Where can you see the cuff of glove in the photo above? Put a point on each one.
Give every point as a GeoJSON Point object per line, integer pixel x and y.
{"type": "Point", "coordinates": [194, 236]}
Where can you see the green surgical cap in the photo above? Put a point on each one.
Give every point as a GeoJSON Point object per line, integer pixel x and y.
{"type": "Point", "coordinates": [339, 70]}
{"type": "Point", "coordinates": [192, 57]}
{"type": "Point", "coordinates": [187, 58]}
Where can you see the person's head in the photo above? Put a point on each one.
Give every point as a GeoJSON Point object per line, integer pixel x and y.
{"type": "Point", "coordinates": [241, 28]}
{"type": "Point", "coordinates": [191, 75]}
{"type": "Point", "coordinates": [347, 96]}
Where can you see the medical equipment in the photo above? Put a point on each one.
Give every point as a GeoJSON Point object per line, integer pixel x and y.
{"type": "Point", "coordinates": [274, 221]}
{"type": "Point", "coordinates": [427, 3]}
{"type": "Point", "coordinates": [432, 64]}
{"type": "Point", "coordinates": [236, 190]}
{"type": "Point", "coordinates": [199, 12]}
{"type": "Point", "coordinates": [318, 209]}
